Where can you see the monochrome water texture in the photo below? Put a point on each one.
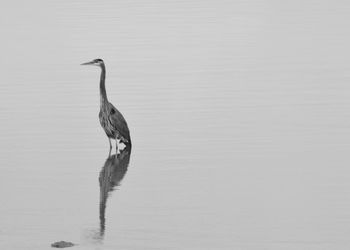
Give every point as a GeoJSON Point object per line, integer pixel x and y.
{"type": "Point", "coordinates": [239, 114]}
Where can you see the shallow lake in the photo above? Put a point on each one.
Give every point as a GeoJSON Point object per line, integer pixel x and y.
{"type": "Point", "coordinates": [239, 113]}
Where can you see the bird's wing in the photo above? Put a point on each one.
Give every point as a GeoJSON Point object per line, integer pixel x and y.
{"type": "Point", "coordinates": [118, 122]}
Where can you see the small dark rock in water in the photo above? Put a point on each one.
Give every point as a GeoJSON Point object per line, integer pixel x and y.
{"type": "Point", "coordinates": [62, 244]}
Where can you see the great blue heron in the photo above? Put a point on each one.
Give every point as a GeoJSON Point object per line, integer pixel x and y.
{"type": "Point", "coordinates": [112, 121]}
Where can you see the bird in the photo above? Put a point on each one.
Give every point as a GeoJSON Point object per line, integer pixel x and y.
{"type": "Point", "coordinates": [111, 120]}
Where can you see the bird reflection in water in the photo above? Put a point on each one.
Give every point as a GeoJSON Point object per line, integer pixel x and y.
{"type": "Point", "coordinates": [111, 175]}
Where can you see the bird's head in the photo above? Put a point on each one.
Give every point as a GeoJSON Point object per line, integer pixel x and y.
{"type": "Point", "coordinates": [96, 62]}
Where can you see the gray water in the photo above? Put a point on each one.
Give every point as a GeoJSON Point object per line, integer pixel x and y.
{"type": "Point", "coordinates": [239, 114]}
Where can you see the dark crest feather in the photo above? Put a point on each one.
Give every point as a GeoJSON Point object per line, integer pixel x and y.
{"type": "Point", "coordinates": [98, 60]}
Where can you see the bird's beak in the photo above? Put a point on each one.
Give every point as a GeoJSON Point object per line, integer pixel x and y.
{"type": "Point", "coordinates": [88, 63]}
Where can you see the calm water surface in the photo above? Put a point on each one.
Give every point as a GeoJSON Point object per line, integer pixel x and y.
{"type": "Point", "coordinates": [239, 115]}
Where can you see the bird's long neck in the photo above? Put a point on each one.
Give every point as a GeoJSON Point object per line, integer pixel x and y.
{"type": "Point", "coordinates": [103, 93]}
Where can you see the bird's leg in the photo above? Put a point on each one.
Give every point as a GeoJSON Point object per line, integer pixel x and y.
{"type": "Point", "coordinates": [116, 145]}
{"type": "Point", "coordinates": [110, 145]}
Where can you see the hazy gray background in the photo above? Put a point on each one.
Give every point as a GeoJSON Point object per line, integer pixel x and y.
{"type": "Point", "coordinates": [239, 115]}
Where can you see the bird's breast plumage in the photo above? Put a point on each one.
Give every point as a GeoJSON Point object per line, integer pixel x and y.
{"type": "Point", "coordinates": [105, 124]}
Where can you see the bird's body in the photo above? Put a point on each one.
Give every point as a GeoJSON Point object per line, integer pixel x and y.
{"type": "Point", "coordinates": [111, 120]}
{"type": "Point", "coordinates": [113, 123]}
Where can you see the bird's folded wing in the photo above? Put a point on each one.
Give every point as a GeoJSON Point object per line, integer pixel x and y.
{"type": "Point", "coordinates": [118, 122]}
